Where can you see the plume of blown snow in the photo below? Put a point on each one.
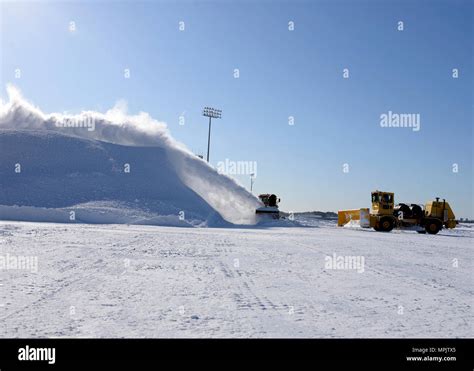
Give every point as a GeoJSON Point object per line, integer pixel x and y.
{"type": "Point", "coordinates": [233, 202]}
{"type": "Point", "coordinates": [115, 126]}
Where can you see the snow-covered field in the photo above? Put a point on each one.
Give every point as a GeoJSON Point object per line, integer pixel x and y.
{"type": "Point", "coordinates": [151, 281]}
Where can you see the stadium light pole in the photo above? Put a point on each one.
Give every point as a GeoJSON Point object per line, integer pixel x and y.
{"type": "Point", "coordinates": [252, 178]}
{"type": "Point", "coordinates": [212, 113]}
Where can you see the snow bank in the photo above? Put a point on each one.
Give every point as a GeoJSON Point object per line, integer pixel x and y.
{"type": "Point", "coordinates": [86, 153]}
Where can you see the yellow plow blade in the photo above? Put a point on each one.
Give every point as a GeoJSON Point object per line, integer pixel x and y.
{"type": "Point", "coordinates": [361, 215]}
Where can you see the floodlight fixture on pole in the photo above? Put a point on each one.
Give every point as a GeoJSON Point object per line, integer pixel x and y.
{"type": "Point", "coordinates": [212, 113]}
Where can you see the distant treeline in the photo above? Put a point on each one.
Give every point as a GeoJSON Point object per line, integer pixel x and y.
{"type": "Point", "coordinates": [318, 214]}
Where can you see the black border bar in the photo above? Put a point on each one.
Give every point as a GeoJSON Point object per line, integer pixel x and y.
{"type": "Point", "coordinates": [328, 351]}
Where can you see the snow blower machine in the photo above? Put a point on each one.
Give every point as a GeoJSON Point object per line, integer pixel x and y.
{"type": "Point", "coordinates": [384, 215]}
{"type": "Point", "coordinates": [270, 206]}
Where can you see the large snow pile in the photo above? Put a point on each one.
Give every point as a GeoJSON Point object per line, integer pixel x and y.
{"type": "Point", "coordinates": [108, 168]}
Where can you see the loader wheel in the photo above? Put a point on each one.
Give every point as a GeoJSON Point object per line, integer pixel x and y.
{"type": "Point", "coordinates": [386, 224]}
{"type": "Point", "coordinates": [432, 227]}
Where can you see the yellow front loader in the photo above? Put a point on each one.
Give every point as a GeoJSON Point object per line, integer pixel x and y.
{"type": "Point", "coordinates": [384, 215]}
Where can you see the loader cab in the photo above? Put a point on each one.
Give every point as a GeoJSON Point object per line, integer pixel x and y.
{"type": "Point", "coordinates": [270, 206]}
{"type": "Point", "coordinates": [382, 203]}
{"type": "Point", "coordinates": [269, 199]}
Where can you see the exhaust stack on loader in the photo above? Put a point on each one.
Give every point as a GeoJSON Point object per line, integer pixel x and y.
{"type": "Point", "coordinates": [384, 215]}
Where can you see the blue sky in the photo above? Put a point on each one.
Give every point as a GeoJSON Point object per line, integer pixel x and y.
{"type": "Point", "coordinates": [282, 73]}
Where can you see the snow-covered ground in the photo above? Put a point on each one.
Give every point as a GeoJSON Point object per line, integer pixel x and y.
{"type": "Point", "coordinates": [150, 281]}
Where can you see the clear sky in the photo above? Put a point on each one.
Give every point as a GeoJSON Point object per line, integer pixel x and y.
{"type": "Point", "coordinates": [282, 73]}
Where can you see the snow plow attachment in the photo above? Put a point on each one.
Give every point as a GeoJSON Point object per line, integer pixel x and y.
{"type": "Point", "coordinates": [272, 212]}
{"type": "Point", "coordinates": [360, 216]}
